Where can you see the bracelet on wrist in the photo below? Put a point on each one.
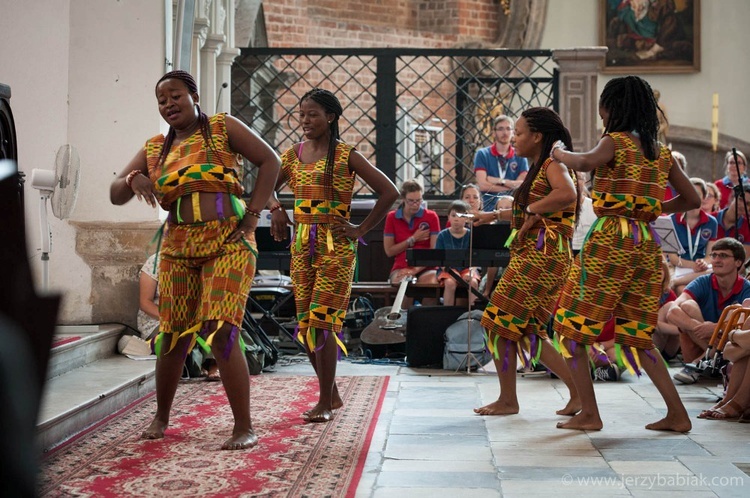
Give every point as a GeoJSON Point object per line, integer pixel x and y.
{"type": "Point", "coordinates": [528, 211]}
{"type": "Point", "coordinates": [410, 241]}
{"type": "Point", "coordinates": [131, 175]}
{"type": "Point", "coordinates": [252, 213]}
{"type": "Point", "coordinates": [277, 206]}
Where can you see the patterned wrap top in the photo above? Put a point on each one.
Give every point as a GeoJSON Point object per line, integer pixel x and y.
{"type": "Point", "coordinates": [194, 165]}
{"type": "Point", "coordinates": [556, 227]}
{"type": "Point", "coordinates": [307, 183]}
{"type": "Point", "coordinates": [632, 186]}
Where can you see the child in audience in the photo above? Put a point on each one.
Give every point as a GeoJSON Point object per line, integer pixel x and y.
{"type": "Point", "coordinates": [457, 236]}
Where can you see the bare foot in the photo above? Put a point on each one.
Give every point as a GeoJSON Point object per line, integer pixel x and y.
{"type": "Point", "coordinates": [318, 414]}
{"type": "Point", "coordinates": [672, 423]}
{"type": "Point", "coordinates": [212, 372]}
{"type": "Point", "coordinates": [498, 408]}
{"type": "Point", "coordinates": [155, 430]}
{"type": "Point", "coordinates": [336, 403]}
{"type": "Point", "coordinates": [573, 407]}
{"type": "Point", "coordinates": [582, 422]}
{"type": "Point", "coordinates": [241, 440]}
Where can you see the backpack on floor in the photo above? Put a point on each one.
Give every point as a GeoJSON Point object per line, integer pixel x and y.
{"type": "Point", "coordinates": [457, 343]}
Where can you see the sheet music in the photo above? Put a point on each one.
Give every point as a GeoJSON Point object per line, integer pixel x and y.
{"type": "Point", "coordinates": [664, 227]}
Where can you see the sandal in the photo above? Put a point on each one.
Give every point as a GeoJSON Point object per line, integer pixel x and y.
{"type": "Point", "coordinates": [723, 414]}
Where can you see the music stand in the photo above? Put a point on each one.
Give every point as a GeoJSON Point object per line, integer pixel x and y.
{"type": "Point", "coordinates": [469, 354]}
{"type": "Point", "coordinates": [664, 227]}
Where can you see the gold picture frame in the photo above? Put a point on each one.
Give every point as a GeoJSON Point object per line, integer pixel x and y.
{"type": "Point", "coordinates": [650, 36]}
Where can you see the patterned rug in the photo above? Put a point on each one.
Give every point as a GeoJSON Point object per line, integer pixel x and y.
{"type": "Point", "coordinates": [292, 459]}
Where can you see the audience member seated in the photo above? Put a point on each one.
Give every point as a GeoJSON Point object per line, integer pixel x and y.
{"type": "Point", "coordinates": [696, 231]}
{"type": "Point", "coordinates": [736, 401]}
{"type": "Point", "coordinates": [497, 168]}
{"type": "Point", "coordinates": [731, 178]}
{"type": "Point", "coordinates": [666, 337]}
{"type": "Point", "coordinates": [727, 216]}
{"type": "Point", "coordinates": [696, 311]}
{"type": "Point", "coordinates": [586, 217]}
{"type": "Point", "coordinates": [456, 237]}
{"type": "Point", "coordinates": [411, 225]}
{"type": "Point", "coordinates": [681, 161]}
{"type": "Point", "coordinates": [712, 203]}
{"type": "Point", "coordinates": [487, 285]}
{"type": "Point", "coordinates": [148, 317]}
{"type": "Point", "coordinates": [603, 355]}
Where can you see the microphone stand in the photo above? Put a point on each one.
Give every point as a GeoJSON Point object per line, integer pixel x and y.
{"type": "Point", "coordinates": [739, 191]}
{"type": "Point", "coordinates": [469, 353]}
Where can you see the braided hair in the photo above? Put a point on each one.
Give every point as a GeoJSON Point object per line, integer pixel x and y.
{"type": "Point", "coordinates": [331, 105]}
{"type": "Point", "coordinates": [633, 107]}
{"type": "Point", "coordinates": [192, 87]}
{"type": "Point", "coordinates": [547, 122]}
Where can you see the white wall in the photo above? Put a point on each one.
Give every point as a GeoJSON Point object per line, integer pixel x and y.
{"type": "Point", "coordinates": [725, 40]}
{"type": "Point", "coordinates": [81, 72]}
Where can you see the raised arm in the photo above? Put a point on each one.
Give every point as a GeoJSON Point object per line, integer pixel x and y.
{"type": "Point", "coordinates": [600, 155]}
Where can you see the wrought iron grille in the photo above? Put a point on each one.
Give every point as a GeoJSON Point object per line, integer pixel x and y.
{"type": "Point", "coordinates": [415, 113]}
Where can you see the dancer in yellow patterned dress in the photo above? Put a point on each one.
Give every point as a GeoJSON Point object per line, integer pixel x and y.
{"type": "Point", "coordinates": [208, 251]}
{"type": "Point", "coordinates": [543, 217]}
{"type": "Point", "coordinates": [618, 271]}
{"type": "Point", "coordinates": [321, 172]}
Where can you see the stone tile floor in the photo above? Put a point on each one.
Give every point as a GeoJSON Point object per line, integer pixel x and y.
{"type": "Point", "coordinates": [429, 443]}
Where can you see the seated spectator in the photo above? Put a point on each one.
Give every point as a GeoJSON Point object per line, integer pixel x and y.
{"type": "Point", "coordinates": [492, 274]}
{"type": "Point", "coordinates": [148, 315]}
{"type": "Point", "coordinates": [736, 401]}
{"type": "Point", "coordinates": [411, 225]}
{"type": "Point", "coordinates": [497, 168]}
{"type": "Point", "coordinates": [697, 310]}
{"type": "Point", "coordinates": [666, 336]}
{"type": "Point", "coordinates": [456, 237]}
{"type": "Point", "coordinates": [681, 161]}
{"type": "Point", "coordinates": [696, 231]}
{"type": "Point", "coordinates": [586, 217]}
{"type": "Point", "coordinates": [728, 226]}
{"type": "Point", "coordinates": [731, 178]}
{"type": "Point", "coordinates": [471, 195]}
{"type": "Point", "coordinates": [712, 203]}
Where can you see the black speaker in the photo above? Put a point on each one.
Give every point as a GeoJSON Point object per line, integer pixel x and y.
{"type": "Point", "coordinates": [425, 333]}
{"type": "Point", "coordinates": [8, 148]}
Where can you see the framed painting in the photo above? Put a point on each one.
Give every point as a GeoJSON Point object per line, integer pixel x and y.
{"type": "Point", "coordinates": [650, 36]}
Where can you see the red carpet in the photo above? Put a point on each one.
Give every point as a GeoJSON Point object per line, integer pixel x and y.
{"type": "Point", "coordinates": [59, 341]}
{"type": "Point", "coordinates": [292, 458]}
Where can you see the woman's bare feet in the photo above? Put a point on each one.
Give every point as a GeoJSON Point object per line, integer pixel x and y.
{"type": "Point", "coordinates": [155, 430]}
{"type": "Point", "coordinates": [240, 440]}
{"type": "Point", "coordinates": [573, 407]}
{"type": "Point", "coordinates": [582, 422]}
{"type": "Point", "coordinates": [498, 407]}
{"type": "Point", "coordinates": [672, 423]}
{"type": "Point", "coordinates": [318, 414]}
{"type": "Point", "coordinates": [336, 403]}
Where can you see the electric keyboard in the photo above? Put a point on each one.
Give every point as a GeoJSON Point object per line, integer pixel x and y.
{"type": "Point", "coordinates": [458, 258]}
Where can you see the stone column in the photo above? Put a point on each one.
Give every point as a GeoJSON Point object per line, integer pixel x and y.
{"type": "Point", "coordinates": [578, 95]}
{"type": "Point", "coordinates": [115, 253]}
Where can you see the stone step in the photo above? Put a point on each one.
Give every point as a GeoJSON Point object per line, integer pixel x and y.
{"type": "Point", "coordinates": [88, 381]}
{"type": "Point", "coordinates": [73, 401]}
{"type": "Point", "coordinates": [81, 345]}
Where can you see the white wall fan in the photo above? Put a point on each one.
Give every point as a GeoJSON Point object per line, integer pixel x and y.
{"type": "Point", "coordinates": [60, 187]}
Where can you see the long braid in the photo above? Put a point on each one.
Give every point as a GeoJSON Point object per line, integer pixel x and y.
{"type": "Point", "coordinates": [192, 87]}
{"type": "Point", "coordinates": [632, 107]}
{"type": "Point", "coordinates": [331, 105]}
{"type": "Point", "coordinates": [547, 122]}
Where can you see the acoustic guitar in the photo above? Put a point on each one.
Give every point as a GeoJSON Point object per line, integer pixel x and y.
{"type": "Point", "coordinates": [389, 324]}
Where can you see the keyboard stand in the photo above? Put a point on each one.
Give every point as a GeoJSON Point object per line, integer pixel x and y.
{"type": "Point", "coordinates": [250, 320]}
